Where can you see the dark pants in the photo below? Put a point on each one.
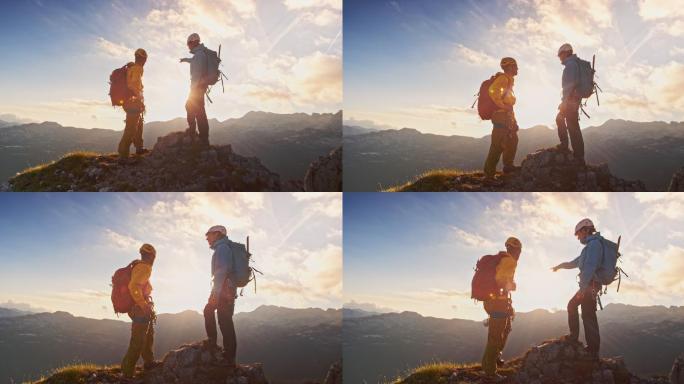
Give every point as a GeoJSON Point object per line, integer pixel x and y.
{"type": "Point", "coordinates": [141, 343]}
{"type": "Point", "coordinates": [224, 308]}
{"type": "Point", "coordinates": [132, 134]}
{"type": "Point", "coordinates": [197, 116]}
{"type": "Point", "coordinates": [591, 328]}
{"type": "Point", "coordinates": [500, 325]}
{"type": "Point", "coordinates": [568, 125]}
{"type": "Point", "coordinates": [504, 142]}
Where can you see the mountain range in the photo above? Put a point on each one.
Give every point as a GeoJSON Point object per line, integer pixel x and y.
{"type": "Point", "coordinates": [294, 345]}
{"type": "Point", "coordinates": [377, 159]}
{"type": "Point", "coordinates": [380, 347]}
{"type": "Point", "coordinates": [285, 143]}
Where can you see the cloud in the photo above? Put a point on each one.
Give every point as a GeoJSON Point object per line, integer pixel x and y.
{"type": "Point", "coordinates": [10, 304]}
{"type": "Point", "coordinates": [473, 240]}
{"type": "Point", "coordinates": [122, 241]}
{"type": "Point", "coordinates": [474, 57]}
{"type": "Point", "coordinates": [660, 9]}
{"type": "Point", "coordinates": [113, 49]}
{"type": "Point", "coordinates": [304, 4]}
{"type": "Point", "coordinates": [667, 205]}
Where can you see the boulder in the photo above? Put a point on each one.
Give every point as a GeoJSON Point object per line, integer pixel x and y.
{"type": "Point", "coordinates": [325, 174]}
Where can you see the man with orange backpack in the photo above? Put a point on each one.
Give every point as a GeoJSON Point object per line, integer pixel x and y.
{"type": "Point", "coordinates": [492, 283]}
{"type": "Point", "coordinates": [134, 106]}
{"type": "Point", "coordinates": [505, 127]}
{"type": "Point", "coordinates": [141, 313]}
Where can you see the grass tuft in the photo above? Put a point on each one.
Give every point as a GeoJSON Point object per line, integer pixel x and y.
{"type": "Point", "coordinates": [70, 374]}
{"type": "Point", "coordinates": [42, 177]}
{"type": "Point", "coordinates": [435, 180]}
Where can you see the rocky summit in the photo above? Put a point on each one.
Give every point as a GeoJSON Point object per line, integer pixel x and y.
{"type": "Point", "coordinates": [189, 364]}
{"type": "Point", "coordinates": [563, 362]}
{"type": "Point", "coordinates": [325, 174]}
{"type": "Point", "coordinates": [677, 182]}
{"type": "Point", "coordinates": [551, 362]}
{"type": "Point", "coordinates": [175, 163]}
{"type": "Point", "coordinates": [546, 170]}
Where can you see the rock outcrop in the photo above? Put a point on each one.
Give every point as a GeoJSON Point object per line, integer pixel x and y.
{"type": "Point", "coordinates": [677, 182]}
{"type": "Point", "coordinates": [189, 364]}
{"type": "Point", "coordinates": [175, 163]}
{"type": "Point", "coordinates": [334, 375]}
{"type": "Point", "coordinates": [325, 174]}
{"type": "Point", "coordinates": [546, 170]}
{"type": "Point", "coordinates": [553, 361]}
{"type": "Point", "coordinates": [677, 373]}
{"type": "Point", "coordinates": [192, 363]}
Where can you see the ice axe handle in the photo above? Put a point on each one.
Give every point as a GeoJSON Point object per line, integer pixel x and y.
{"type": "Point", "coordinates": [247, 244]}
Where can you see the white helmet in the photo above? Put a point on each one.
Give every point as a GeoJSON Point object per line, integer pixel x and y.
{"type": "Point", "coordinates": [218, 228]}
{"type": "Point", "coordinates": [582, 224]}
{"type": "Point", "coordinates": [565, 48]}
{"type": "Point", "coordinates": [194, 37]}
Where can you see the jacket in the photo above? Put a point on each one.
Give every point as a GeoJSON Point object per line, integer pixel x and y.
{"type": "Point", "coordinates": [589, 260]}
{"type": "Point", "coordinates": [505, 271]}
{"type": "Point", "coordinates": [501, 90]}
{"type": "Point", "coordinates": [139, 286]}
{"type": "Point", "coordinates": [134, 76]}
{"type": "Point", "coordinates": [221, 265]}
{"type": "Point", "coordinates": [570, 77]}
{"type": "Point", "coordinates": [198, 66]}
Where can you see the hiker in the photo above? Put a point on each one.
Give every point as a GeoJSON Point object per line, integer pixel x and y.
{"type": "Point", "coordinates": [498, 306]}
{"type": "Point", "coordinates": [223, 295]}
{"type": "Point", "coordinates": [588, 263]}
{"type": "Point", "coordinates": [196, 114]}
{"type": "Point", "coordinates": [567, 119]}
{"type": "Point", "coordinates": [142, 314]}
{"type": "Point", "coordinates": [134, 106]}
{"type": "Point", "coordinates": [505, 127]}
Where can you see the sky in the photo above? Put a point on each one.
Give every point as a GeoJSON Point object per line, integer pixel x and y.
{"type": "Point", "coordinates": [417, 251]}
{"type": "Point", "coordinates": [418, 64]}
{"type": "Point", "coordinates": [59, 251]}
{"type": "Point", "coordinates": [281, 56]}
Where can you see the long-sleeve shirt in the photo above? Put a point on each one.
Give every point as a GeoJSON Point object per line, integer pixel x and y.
{"type": "Point", "coordinates": [505, 271]}
{"type": "Point", "coordinates": [501, 90]}
{"type": "Point", "coordinates": [221, 265]}
{"type": "Point", "coordinates": [134, 76]}
{"type": "Point", "coordinates": [570, 77]}
{"type": "Point", "coordinates": [198, 66]}
{"type": "Point", "coordinates": [589, 260]}
{"type": "Point", "coordinates": [139, 286]}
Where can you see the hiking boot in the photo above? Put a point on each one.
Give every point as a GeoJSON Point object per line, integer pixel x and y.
{"type": "Point", "coordinates": [591, 355]}
{"type": "Point", "coordinates": [152, 365]}
{"type": "Point", "coordinates": [570, 339]}
{"type": "Point", "coordinates": [191, 132]}
{"type": "Point", "coordinates": [142, 151]}
{"type": "Point", "coordinates": [511, 169]}
{"type": "Point", "coordinates": [580, 163]}
{"type": "Point", "coordinates": [500, 362]}
{"type": "Point", "coordinates": [495, 378]}
{"type": "Point", "coordinates": [562, 148]}
{"type": "Point", "coordinates": [210, 344]}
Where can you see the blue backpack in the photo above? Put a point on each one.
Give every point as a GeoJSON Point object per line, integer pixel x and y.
{"type": "Point", "coordinates": [587, 85]}
{"type": "Point", "coordinates": [608, 270]}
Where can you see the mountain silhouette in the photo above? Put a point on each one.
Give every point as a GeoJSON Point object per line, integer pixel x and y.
{"type": "Point", "coordinates": [650, 152]}
{"type": "Point", "coordinates": [553, 361]}
{"type": "Point", "coordinates": [547, 170]}
{"type": "Point", "coordinates": [285, 143]}
{"type": "Point", "coordinates": [175, 163]}
{"type": "Point", "coordinates": [294, 345]}
{"type": "Point", "coordinates": [381, 347]}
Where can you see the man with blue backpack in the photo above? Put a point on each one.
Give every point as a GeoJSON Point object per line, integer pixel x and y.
{"type": "Point", "coordinates": [598, 266]}
{"type": "Point", "coordinates": [203, 66]}
{"type": "Point", "coordinates": [578, 83]}
{"type": "Point", "coordinates": [230, 270]}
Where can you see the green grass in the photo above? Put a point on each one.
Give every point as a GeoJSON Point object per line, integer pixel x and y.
{"type": "Point", "coordinates": [75, 373]}
{"type": "Point", "coordinates": [42, 177]}
{"type": "Point", "coordinates": [432, 373]}
{"type": "Point", "coordinates": [435, 180]}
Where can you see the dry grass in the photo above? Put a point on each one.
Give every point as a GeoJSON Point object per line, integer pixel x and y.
{"type": "Point", "coordinates": [42, 177]}
{"type": "Point", "coordinates": [435, 180]}
{"type": "Point", "coordinates": [75, 373]}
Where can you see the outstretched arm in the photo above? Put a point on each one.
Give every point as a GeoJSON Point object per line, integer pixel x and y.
{"type": "Point", "coordinates": [566, 265]}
